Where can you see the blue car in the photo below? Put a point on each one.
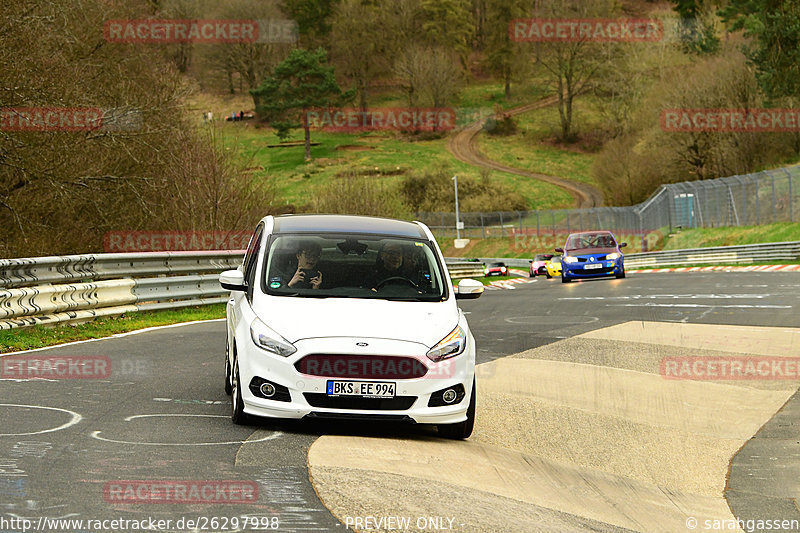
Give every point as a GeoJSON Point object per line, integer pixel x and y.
{"type": "Point", "coordinates": [591, 254]}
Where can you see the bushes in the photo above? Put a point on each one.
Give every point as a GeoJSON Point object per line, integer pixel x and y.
{"type": "Point", "coordinates": [433, 191]}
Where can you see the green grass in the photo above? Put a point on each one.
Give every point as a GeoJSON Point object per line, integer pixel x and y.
{"type": "Point", "coordinates": [41, 336]}
{"type": "Point", "coordinates": [533, 147]}
{"type": "Point", "coordinates": [705, 237]}
{"type": "Point", "coordinates": [297, 181]}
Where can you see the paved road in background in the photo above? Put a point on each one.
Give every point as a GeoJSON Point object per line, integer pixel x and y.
{"type": "Point", "coordinates": [162, 413]}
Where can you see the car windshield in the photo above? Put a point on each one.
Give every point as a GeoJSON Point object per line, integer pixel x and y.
{"type": "Point", "coordinates": [542, 257]}
{"type": "Point", "coordinates": [353, 266]}
{"type": "Point", "coordinates": [585, 241]}
{"type": "Point", "coordinates": [496, 265]}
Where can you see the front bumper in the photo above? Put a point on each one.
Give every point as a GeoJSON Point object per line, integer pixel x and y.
{"type": "Point", "coordinates": [578, 270]}
{"type": "Point", "coordinates": [306, 395]}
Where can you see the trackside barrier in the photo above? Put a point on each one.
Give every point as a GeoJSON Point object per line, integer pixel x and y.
{"type": "Point", "coordinates": [747, 253]}
{"type": "Point", "coordinates": [49, 290]}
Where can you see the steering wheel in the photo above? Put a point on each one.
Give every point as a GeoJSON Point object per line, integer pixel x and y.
{"type": "Point", "coordinates": [396, 278]}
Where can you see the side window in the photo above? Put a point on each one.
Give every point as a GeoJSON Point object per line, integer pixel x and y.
{"type": "Point", "coordinates": [251, 260]}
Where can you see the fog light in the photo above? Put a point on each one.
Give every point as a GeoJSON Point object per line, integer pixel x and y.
{"type": "Point", "coordinates": [449, 396]}
{"type": "Point", "coordinates": [267, 389]}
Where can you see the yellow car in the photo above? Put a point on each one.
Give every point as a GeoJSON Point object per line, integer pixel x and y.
{"type": "Point", "coordinates": [553, 266]}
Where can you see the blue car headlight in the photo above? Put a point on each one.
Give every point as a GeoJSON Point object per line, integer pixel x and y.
{"type": "Point", "coordinates": [570, 259]}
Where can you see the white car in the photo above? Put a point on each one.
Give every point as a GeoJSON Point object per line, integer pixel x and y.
{"type": "Point", "coordinates": [349, 317]}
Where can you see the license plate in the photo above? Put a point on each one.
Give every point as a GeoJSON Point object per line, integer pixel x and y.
{"type": "Point", "coordinates": [369, 389]}
{"type": "Point", "coordinates": [592, 266]}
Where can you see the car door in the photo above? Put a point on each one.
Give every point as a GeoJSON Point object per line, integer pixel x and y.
{"type": "Point", "coordinates": [239, 299]}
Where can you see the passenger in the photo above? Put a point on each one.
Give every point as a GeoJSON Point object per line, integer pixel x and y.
{"type": "Point", "coordinates": [306, 275]}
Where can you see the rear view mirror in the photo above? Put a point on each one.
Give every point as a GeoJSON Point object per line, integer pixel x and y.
{"type": "Point", "coordinates": [232, 280]}
{"type": "Point", "coordinates": [469, 289]}
{"type": "Point", "coordinates": [623, 244]}
{"type": "Point", "coordinates": [352, 246]}
{"type": "Point", "coordinates": [560, 250]}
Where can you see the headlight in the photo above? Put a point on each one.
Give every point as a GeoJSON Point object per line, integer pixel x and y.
{"type": "Point", "coordinates": [610, 257]}
{"type": "Point", "coordinates": [267, 339]}
{"type": "Point", "coordinates": [450, 346]}
{"type": "Point", "coordinates": [570, 259]}
{"type": "Point", "coordinates": [485, 271]}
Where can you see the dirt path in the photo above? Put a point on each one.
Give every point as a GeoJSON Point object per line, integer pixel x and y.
{"type": "Point", "coordinates": [464, 147]}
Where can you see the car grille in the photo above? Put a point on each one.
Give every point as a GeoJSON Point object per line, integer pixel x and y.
{"type": "Point", "coordinates": [398, 403]}
{"type": "Point", "coordinates": [351, 366]}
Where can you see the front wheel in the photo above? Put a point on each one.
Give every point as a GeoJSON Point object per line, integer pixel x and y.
{"type": "Point", "coordinates": [228, 387]}
{"type": "Point", "coordinates": [461, 430]}
{"type": "Point", "coordinates": [549, 276]}
{"type": "Point", "coordinates": [621, 274]}
{"type": "Point", "coordinates": [238, 416]}
{"type": "Point", "coordinates": [565, 279]}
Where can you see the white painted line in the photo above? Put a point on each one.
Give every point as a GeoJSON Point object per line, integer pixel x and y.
{"type": "Point", "coordinates": [742, 306]}
{"type": "Point", "coordinates": [75, 419]}
{"type": "Point", "coordinates": [115, 336]}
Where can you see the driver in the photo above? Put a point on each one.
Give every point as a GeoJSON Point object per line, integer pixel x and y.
{"type": "Point", "coordinates": [389, 265]}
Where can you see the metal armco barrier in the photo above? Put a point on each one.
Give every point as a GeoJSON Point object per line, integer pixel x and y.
{"type": "Point", "coordinates": [49, 290]}
{"type": "Point", "coordinates": [748, 253]}
{"type": "Point", "coordinates": [464, 269]}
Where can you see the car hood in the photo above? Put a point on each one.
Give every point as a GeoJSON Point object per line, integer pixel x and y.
{"type": "Point", "coordinates": [591, 251]}
{"type": "Point", "coordinates": [305, 318]}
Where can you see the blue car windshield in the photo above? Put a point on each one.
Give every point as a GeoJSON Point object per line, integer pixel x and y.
{"type": "Point", "coordinates": [590, 240]}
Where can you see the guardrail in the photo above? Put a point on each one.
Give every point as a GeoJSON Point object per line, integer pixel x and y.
{"type": "Point", "coordinates": [49, 290]}
{"type": "Point", "coordinates": [463, 269]}
{"type": "Point", "coordinates": [748, 253]}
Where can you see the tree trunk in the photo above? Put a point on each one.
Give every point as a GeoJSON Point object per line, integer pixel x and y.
{"type": "Point", "coordinates": [508, 85]}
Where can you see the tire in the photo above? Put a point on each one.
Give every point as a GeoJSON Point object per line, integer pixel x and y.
{"type": "Point", "coordinates": [565, 279]}
{"type": "Point", "coordinates": [622, 275]}
{"type": "Point", "coordinates": [549, 276]}
{"type": "Point", "coordinates": [228, 387]}
{"type": "Point", "coordinates": [460, 430]}
{"type": "Point", "coordinates": [238, 416]}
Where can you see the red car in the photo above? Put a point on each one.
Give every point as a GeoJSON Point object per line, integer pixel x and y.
{"type": "Point", "coordinates": [496, 269]}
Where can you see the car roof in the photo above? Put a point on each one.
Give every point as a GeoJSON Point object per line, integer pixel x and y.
{"type": "Point", "coordinates": [346, 224]}
{"type": "Point", "coordinates": [597, 232]}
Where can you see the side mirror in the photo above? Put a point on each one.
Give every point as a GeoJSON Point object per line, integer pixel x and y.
{"type": "Point", "coordinates": [232, 280]}
{"type": "Point", "coordinates": [469, 289]}
{"type": "Point", "coordinates": [560, 250]}
{"type": "Point", "coordinates": [623, 244]}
